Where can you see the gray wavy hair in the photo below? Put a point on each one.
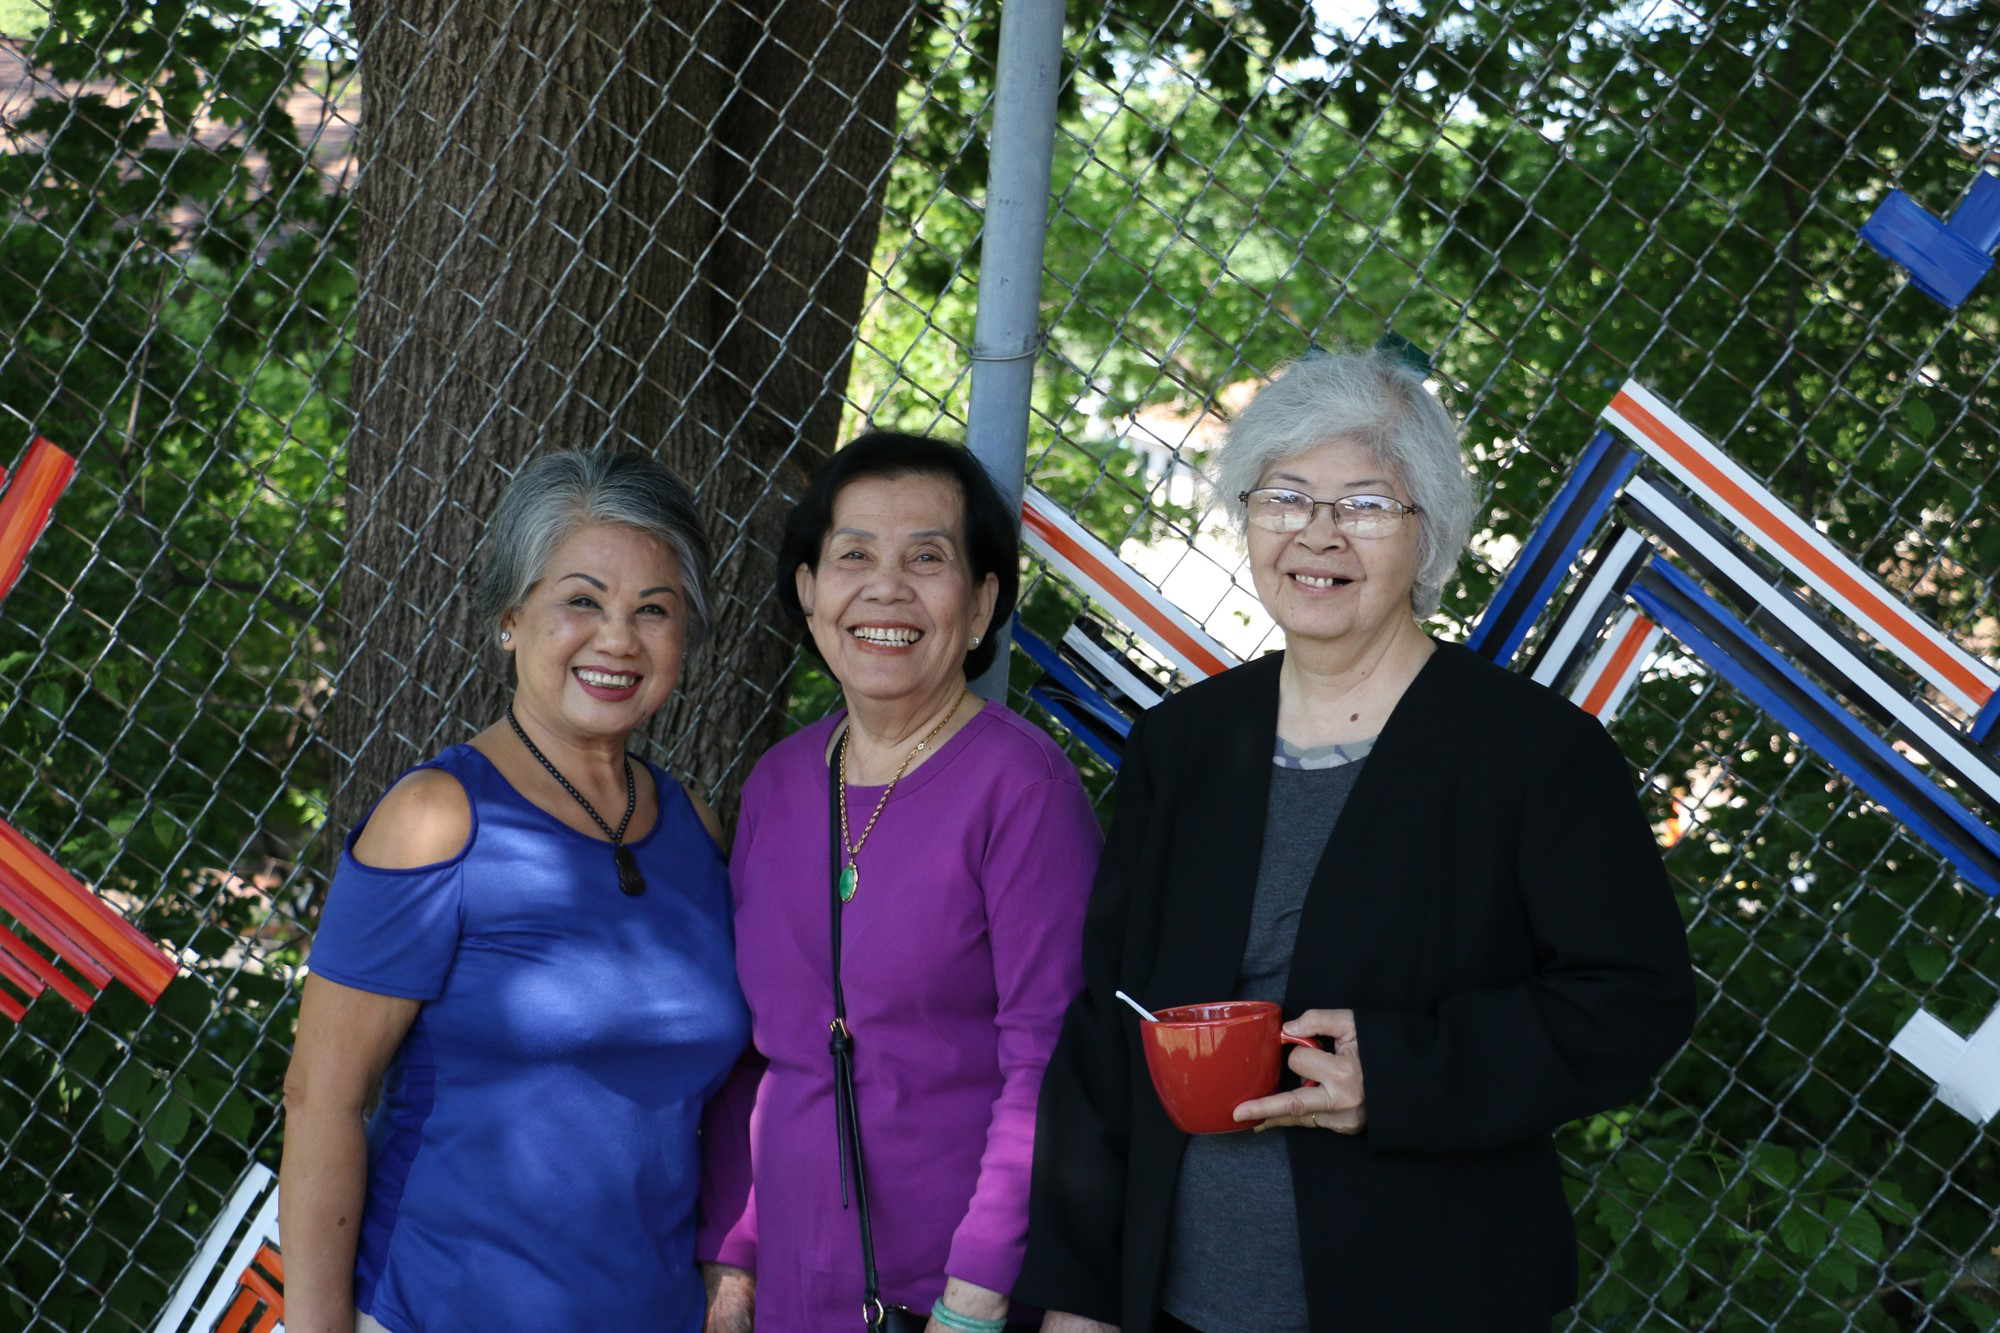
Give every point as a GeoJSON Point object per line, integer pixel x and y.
{"type": "Point", "coordinates": [1378, 400]}
{"type": "Point", "coordinates": [553, 496]}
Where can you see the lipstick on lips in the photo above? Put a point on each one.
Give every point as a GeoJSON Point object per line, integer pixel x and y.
{"type": "Point", "coordinates": [610, 686]}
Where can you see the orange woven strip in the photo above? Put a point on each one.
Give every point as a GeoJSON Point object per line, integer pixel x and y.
{"type": "Point", "coordinates": [28, 902]}
{"type": "Point", "coordinates": [272, 1262]}
{"type": "Point", "coordinates": [237, 1318]}
{"type": "Point", "coordinates": [132, 958]}
{"type": "Point", "coordinates": [24, 509]}
{"type": "Point", "coordinates": [1628, 648]}
{"type": "Point", "coordinates": [255, 1281]}
{"type": "Point", "coordinates": [1891, 618]}
{"type": "Point", "coordinates": [1115, 587]}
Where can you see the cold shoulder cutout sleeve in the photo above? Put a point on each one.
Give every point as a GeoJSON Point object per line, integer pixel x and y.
{"type": "Point", "coordinates": [391, 931]}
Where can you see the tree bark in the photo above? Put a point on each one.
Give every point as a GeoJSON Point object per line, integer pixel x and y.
{"type": "Point", "coordinates": [587, 223]}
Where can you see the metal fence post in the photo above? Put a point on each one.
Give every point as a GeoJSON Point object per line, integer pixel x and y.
{"type": "Point", "coordinates": [1006, 335]}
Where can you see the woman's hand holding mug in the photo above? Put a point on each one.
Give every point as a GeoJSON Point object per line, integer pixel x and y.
{"type": "Point", "coordinates": [1333, 1099]}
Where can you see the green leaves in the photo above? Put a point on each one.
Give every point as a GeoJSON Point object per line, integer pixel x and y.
{"type": "Point", "coordinates": [1671, 1226]}
{"type": "Point", "coordinates": [1803, 1231]}
{"type": "Point", "coordinates": [1860, 1232]}
{"type": "Point", "coordinates": [1775, 1163]}
{"type": "Point", "coordinates": [172, 314]}
{"type": "Point", "coordinates": [1708, 1234]}
{"type": "Point", "coordinates": [1918, 418]}
{"type": "Point", "coordinates": [160, 1112]}
{"type": "Point", "coordinates": [1926, 961]}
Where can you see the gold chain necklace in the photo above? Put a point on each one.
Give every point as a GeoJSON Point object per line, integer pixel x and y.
{"type": "Point", "coordinates": [850, 876]}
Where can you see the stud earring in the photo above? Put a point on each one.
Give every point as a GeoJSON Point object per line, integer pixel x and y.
{"type": "Point", "coordinates": [975, 641]}
{"type": "Point", "coordinates": [506, 636]}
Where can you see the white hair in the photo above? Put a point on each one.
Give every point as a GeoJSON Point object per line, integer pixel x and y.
{"type": "Point", "coordinates": [1377, 400]}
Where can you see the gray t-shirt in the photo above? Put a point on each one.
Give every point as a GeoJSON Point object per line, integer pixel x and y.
{"type": "Point", "coordinates": [1233, 1260]}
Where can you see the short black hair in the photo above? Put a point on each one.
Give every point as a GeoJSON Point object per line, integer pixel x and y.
{"type": "Point", "coordinates": [992, 529]}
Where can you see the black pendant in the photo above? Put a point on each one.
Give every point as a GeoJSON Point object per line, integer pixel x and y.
{"type": "Point", "coordinates": [630, 882]}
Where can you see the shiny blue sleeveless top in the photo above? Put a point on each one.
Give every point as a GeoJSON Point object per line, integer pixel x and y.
{"type": "Point", "coordinates": [533, 1163]}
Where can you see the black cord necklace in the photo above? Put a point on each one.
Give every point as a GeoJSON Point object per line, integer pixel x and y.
{"type": "Point", "coordinates": [630, 882]}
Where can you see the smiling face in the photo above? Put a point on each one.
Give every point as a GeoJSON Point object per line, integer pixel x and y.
{"type": "Point", "coordinates": [598, 640]}
{"type": "Point", "coordinates": [1319, 584]}
{"type": "Point", "coordinates": [892, 606]}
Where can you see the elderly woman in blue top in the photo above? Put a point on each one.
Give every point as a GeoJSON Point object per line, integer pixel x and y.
{"type": "Point", "coordinates": [529, 936]}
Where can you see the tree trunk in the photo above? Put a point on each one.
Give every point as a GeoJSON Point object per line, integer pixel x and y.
{"type": "Point", "coordinates": [589, 223]}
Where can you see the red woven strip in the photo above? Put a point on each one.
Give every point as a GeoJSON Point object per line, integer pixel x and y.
{"type": "Point", "coordinates": [24, 509]}
{"type": "Point", "coordinates": [79, 998]}
{"type": "Point", "coordinates": [273, 1263]}
{"type": "Point", "coordinates": [12, 969]}
{"type": "Point", "coordinates": [12, 1007]}
{"type": "Point", "coordinates": [107, 936]}
{"type": "Point", "coordinates": [34, 913]}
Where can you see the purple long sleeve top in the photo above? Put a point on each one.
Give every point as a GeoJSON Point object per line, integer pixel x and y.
{"type": "Point", "coordinates": [960, 952]}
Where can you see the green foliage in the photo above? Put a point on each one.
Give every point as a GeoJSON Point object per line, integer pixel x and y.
{"type": "Point", "coordinates": [22, 18]}
{"type": "Point", "coordinates": [172, 316]}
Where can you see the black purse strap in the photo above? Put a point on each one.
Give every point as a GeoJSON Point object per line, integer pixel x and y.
{"type": "Point", "coordinates": [841, 1044]}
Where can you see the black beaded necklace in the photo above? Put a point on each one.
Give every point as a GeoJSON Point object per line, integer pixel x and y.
{"type": "Point", "coordinates": [630, 882]}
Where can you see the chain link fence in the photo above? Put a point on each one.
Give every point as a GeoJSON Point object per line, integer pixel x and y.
{"type": "Point", "coordinates": [735, 237]}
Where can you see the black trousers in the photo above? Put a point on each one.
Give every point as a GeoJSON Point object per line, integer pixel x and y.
{"type": "Point", "coordinates": [1169, 1324]}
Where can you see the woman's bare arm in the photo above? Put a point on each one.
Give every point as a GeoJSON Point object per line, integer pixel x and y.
{"type": "Point", "coordinates": [732, 1299]}
{"type": "Point", "coordinates": [346, 1038]}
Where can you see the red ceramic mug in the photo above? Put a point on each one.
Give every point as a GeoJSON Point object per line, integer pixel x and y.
{"type": "Point", "coordinates": [1208, 1059]}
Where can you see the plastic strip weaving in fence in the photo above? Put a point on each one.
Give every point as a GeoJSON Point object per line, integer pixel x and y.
{"type": "Point", "coordinates": [1945, 260]}
{"type": "Point", "coordinates": [1604, 685]}
{"type": "Point", "coordinates": [244, 1292]}
{"type": "Point", "coordinates": [1096, 569]}
{"type": "Point", "coordinates": [39, 894]}
{"type": "Point", "coordinates": [1626, 565]}
{"type": "Point", "coordinates": [1760, 516]}
{"type": "Point", "coordinates": [25, 506]}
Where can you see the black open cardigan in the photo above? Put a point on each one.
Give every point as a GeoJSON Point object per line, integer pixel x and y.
{"type": "Point", "coordinates": [1491, 905]}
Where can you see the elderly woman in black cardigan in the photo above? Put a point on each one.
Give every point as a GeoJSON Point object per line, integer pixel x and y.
{"type": "Point", "coordinates": [1436, 867]}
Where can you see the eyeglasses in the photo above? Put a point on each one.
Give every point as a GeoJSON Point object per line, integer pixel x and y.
{"type": "Point", "coordinates": [1276, 509]}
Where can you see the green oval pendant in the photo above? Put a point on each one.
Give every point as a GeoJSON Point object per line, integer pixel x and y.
{"type": "Point", "coordinates": [848, 881]}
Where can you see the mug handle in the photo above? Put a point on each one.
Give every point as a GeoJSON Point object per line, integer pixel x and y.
{"type": "Point", "coordinates": [1287, 1039]}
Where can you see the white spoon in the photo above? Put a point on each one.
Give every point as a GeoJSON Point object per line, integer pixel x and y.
{"type": "Point", "coordinates": [1143, 1011]}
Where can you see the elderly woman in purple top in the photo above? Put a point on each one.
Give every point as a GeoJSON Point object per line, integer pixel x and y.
{"type": "Point", "coordinates": [954, 846]}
